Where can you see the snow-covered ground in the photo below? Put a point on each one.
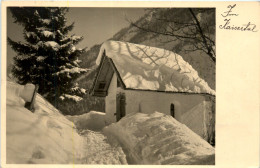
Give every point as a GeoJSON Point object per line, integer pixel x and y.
{"type": "Point", "coordinates": [160, 139]}
{"type": "Point", "coordinates": [93, 121]}
{"type": "Point", "coordinates": [46, 136]}
{"type": "Point", "coordinates": [98, 150]}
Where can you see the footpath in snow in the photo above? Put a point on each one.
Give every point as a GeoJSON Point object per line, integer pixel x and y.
{"type": "Point", "coordinates": [46, 136]}
{"type": "Point", "coordinates": [96, 147]}
{"type": "Point", "coordinates": [97, 150]}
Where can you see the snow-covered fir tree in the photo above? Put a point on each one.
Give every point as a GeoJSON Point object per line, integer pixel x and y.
{"type": "Point", "coordinates": [48, 55]}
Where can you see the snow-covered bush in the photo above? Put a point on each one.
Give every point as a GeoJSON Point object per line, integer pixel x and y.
{"type": "Point", "coordinates": [88, 103]}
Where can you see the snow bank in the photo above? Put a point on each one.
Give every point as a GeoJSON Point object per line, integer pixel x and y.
{"type": "Point", "coordinates": [93, 121]}
{"type": "Point", "coordinates": [160, 139]}
{"type": "Point", "coordinates": [19, 94]}
{"type": "Point", "coordinates": [27, 92]}
{"type": "Point", "coordinates": [48, 137]}
{"type": "Point", "coordinates": [150, 68]}
{"type": "Point", "coordinates": [45, 136]}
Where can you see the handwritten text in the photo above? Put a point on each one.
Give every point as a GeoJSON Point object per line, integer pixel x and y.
{"type": "Point", "coordinates": [228, 21]}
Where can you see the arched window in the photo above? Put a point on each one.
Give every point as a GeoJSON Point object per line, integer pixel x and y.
{"type": "Point", "coordinates": [172, 111]}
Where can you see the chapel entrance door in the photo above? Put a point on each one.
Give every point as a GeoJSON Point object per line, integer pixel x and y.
{"type": "Point", "coordinates": [172, 110]}
{"type": "Point", "coordinates": [120, 106]}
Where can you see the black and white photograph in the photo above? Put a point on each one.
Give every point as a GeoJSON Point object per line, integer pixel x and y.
{"type": "Point", "coordinates": [86, 84]}
{"type": "Point", "coordinates": [110, 85]}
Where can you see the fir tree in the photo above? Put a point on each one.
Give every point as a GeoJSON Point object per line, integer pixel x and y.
{"type": "Point", "coordinates": [48, 56]}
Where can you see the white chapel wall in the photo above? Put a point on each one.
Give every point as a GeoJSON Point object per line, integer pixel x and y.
{"type": "Point", "coordinates": [111, 101]}
{"type": "Point", "coordinates": [148, 102]}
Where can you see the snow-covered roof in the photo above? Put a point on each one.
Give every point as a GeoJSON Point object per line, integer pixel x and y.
{"type": "Point", "coordinates": [148, 68]}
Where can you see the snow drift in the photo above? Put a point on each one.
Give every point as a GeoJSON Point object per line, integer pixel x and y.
{"type": "Point", "coordinates": [160, 139]}
{"type": "Point", "coordinates": [48, 137]}
{"type": "Point", "coordinates": [45, 136]}
{"type": "Point", "coordinates": [92, 121]}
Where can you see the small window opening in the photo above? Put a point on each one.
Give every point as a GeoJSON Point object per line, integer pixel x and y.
{"type": "Point", "coordinates": [101, 85]}
{"type": "Point", "coordinates": [172, 110]}
{"type": "Point", "coordinates": [118, 83]}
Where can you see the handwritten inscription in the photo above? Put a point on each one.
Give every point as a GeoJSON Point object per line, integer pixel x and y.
{"type": "Point", "coordinates": [228, 15]}
{"type": "Point", "coordinates": [229, 12]}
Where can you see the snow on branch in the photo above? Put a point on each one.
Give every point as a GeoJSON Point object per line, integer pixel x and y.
{"type": "Point", "coordinates": [78, 90]}
{"type": "Point", "coordinates": [40, 58]}
{"type": "Point", "coordinates": [70, 97]}
{"type": "Point", "coordinates": [46, 21]}
{"type": "Point", "coordinates": [52, 44]}
{"type": "Point", "coordinates": [47, 34]}
{"type": "Point", "coordinates": [72, 70]}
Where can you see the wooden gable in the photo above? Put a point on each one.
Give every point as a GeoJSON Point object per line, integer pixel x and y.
{"type": "Point", "coordinates": [103, 78]}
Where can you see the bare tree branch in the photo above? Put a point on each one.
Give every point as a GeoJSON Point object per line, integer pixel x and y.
{"type": "Point", "coordinates": [188, 31]}
{"type": "Point", "coordinates": [209, 48]}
